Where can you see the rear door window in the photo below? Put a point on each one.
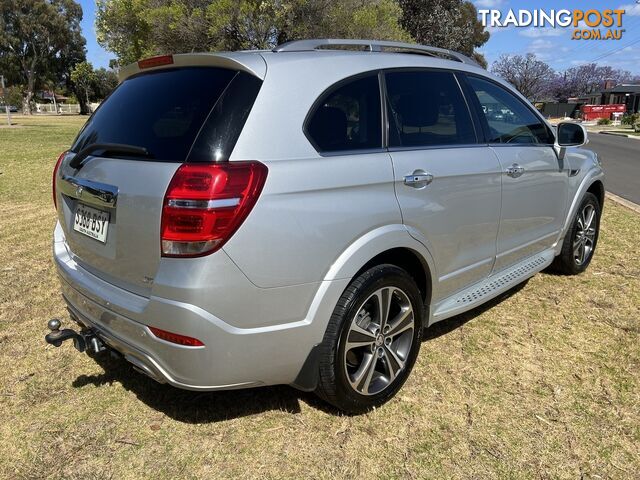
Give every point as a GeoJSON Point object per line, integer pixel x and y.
{"type": "Point", "coordinates": [348, 117]}
{"type": "Point", "coordinates": [427, 108]}
{"type": "Point", "coordinates": [162, 111]}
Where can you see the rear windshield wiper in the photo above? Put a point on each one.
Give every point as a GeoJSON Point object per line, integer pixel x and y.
{"type": "Point", "coordinates": [108, 149]}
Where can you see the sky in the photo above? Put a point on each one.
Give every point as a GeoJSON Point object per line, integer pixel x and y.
{"type": "Point", "coordinates": [554, 46]}
{"type": "Point", "coordinates": [97, 55]}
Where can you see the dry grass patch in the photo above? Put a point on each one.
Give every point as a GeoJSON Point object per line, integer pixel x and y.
{"type": "Point", "coordinates": [543, 383]}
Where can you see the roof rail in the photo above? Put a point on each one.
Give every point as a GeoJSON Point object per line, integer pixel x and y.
{"type": "Point", "coordinates": [372, 46]}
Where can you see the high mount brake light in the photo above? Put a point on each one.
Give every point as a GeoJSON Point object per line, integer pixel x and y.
{"type": "Point", "coordinates": [206, 203]}
{"type": "Point", "coordinates": [53, 179]}
{"type": "Point", "coordinates": [155, 61]}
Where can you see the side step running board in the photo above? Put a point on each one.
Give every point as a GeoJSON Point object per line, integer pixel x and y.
{"type": "Point", "coordinates": [492, 287]}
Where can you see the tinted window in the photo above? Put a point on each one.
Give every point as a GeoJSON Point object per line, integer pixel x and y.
{"type": "Point", "coordinates": [161, 111]}
{"type": "Point", "coordinates": [348, 118]}
{"type": "Point", "coordinates": [509, 119]}
{"type": "Point", "coordinates": [226, 121]}
{"type": "Point", "coordinates": [427, 108]}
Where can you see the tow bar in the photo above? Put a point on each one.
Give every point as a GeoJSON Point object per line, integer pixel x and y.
{"type": "Point", "coordinates": [82, 340]}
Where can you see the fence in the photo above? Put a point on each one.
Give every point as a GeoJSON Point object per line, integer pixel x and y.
{"type": "Point", "coordinates": [62, 108]}
{"type": "Point", "coordinates": [560, 110]}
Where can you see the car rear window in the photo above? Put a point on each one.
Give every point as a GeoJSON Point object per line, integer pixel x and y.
{"type": "Point", "coordinates": [164, 111]}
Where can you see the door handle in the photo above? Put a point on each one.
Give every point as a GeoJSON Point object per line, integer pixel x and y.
{"type": "Point", "coordinates": [418, 179]}
{"type": "Point", "coordinates": [514, 171]}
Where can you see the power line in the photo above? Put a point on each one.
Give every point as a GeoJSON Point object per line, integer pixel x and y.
{"type": "Point", "coordinates": [605, 55]}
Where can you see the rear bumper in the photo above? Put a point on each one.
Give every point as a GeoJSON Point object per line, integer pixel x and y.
{"type": "Point", "coordinates": [119, 334]}
{"type": "Point", "coordinates": [233, 356]}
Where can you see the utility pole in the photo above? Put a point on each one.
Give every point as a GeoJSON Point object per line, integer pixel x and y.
{"type": "Point", "coordinates": [6, 104]}
{"type": "Point", "coordinates": [55, 105]}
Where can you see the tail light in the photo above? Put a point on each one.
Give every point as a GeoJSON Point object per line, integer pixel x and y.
{"type": "Point", "coordinates": [53, 180]}
{"type": "Point", "coordinates": [206, 203]}
{"type": "Point", "coordinates": [176, 338]}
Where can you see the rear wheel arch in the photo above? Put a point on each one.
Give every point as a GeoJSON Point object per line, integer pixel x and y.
{"type": "Point", "coordinates": [407, 259]}
{"type": "Point", "coordinates": [411, 262]}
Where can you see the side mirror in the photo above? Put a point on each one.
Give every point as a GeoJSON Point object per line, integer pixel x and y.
{"type": "Point", "coordinates": [570, 134]}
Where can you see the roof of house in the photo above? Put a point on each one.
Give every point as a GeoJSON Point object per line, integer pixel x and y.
{"type": "Point", "coordinates": [623, 89]}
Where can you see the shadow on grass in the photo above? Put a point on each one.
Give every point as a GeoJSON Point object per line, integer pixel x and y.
{"type": "Point", "coordinates": [206, 407]}
{"type": "Point", "coordinates": [189, 406]}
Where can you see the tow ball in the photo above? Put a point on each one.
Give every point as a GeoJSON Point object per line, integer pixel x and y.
{"type": "Point", "coordinates": [82, 340]}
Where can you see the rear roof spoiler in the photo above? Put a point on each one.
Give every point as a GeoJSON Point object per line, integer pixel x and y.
{"type": "Point", "coordinates": [251, 63]}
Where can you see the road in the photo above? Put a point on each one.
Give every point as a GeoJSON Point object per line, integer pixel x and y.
{"type": "Point", "coordinates": [620, 157]}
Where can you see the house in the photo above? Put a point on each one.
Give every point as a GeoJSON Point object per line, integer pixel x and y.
{"type": "Point", "coordinates": [625, 94]}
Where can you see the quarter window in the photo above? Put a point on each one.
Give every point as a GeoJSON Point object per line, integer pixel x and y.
{"type": "Point", "coordinates": [427, 108]}
{"type": "Point", "coordinates": [348, 118]}
{"type": "Point", "coordinates": [508, 118]}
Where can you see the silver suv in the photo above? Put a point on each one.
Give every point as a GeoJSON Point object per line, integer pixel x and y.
{"type": "Point", "coordinates": [299, 216]}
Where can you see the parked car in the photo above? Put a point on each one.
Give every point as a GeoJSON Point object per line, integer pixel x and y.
{"type": "Point", "coordinates": [12, 108]}
{"type": "Point", "coordinates": [299, 216]}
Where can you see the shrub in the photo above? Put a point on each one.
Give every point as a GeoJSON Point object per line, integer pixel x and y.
{"type": "Point", "coordinates": [636, 127]}
{"type": "Point", "coordinates": [631, 119]}
{"type": "Point", "coordinates": [604, 121]}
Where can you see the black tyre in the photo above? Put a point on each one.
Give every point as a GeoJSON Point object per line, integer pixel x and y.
{"type": "Point", "coordinates": [372, 340]}
{"type": "Point", "coordinates": [581, 240]}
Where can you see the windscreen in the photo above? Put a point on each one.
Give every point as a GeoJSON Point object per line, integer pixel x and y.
{"type": "Point", "coordinates": [162, 111]}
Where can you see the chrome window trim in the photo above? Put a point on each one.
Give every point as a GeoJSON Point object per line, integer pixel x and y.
{"type": "Point", "coordinates": [436, 147]}
{"type": "Point", "coordinates": [344, 153]}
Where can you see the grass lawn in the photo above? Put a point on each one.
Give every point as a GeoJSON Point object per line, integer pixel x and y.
{"type": "Point", "coordinates": [543, 384]}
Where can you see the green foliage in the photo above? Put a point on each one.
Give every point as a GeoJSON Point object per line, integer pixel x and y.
{"type": "Point", "coordinates": [636, 127]}
{"type": "Point", "coordinates": [123, 27]}
{"type": "Point", "coordinates": [451, 24]}
{"type": "Point", "coordinates": [37, 40]}
{"type": "Point", "coordinates": [12, 96]}
{"type": "Point", "coordinates": [631, 119]}
{"type": "Point", "coordinates": [83, 77]}
{"type": "Point", "coordinates": [104, 82]}
{"type": "Point", "coordinates": [343, 19]}
{"type": "Point", "coordinates": [604, 121]}
{"type": "Point", "coordinates": [137, 28]}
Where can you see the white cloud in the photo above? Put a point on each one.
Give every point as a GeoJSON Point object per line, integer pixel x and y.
{"type": "Point", "coordinates": [631, 9]}
{"type": "Point", "coordinates": [537, 32]}
{"type": "Point", "coordinates": [493, 30]}
{"type": "Point", "coordinates": [543, 49]}
{"type": "Point", "coordinates": [489, 3]}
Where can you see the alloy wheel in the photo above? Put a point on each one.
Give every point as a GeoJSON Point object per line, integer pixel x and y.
{"type": "Point", "coordinates": [379, 340]}
{"type": "Point", "coordinates": [584, 239]}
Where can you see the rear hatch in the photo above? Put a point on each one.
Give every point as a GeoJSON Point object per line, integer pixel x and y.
{"type": "Point", "coordinates": [110, 203]}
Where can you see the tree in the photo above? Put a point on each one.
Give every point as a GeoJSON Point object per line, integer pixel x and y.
{"type": "Point", "coordinates": [587, 79]}
{"type": "Point", "coordinates": [378, 20]}
{"type": "Point", "coordinates": [136, 28]}
{"type": "Point", "coordinates": [104, 82]}
{"type": "Point", "coordinates": [123, 28]}
{"type": "Point", "coordinates": [531, 76]}
{"type": "Point", "coordinates": [34, 36]}
{"type": "Point", "coordinates": [83, 77]}
{"type": "Point", "coordinates": [451, 24]}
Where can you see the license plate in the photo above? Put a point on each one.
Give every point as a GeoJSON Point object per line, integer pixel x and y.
{"type": "Point", "coordinates": [91, 222]}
